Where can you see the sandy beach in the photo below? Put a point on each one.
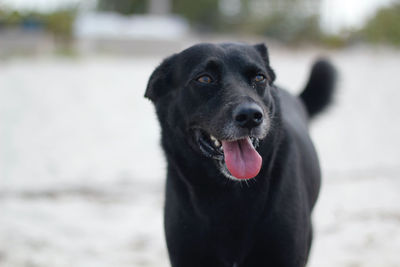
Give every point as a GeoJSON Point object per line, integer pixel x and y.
{"type": "Point", "coordinates": [82, 172]}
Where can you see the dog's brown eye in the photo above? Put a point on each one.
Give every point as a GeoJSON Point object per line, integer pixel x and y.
{"type": "Point", "coordinates": [259, 78]}
{"type": "Point", "coordinates": [205, 79]}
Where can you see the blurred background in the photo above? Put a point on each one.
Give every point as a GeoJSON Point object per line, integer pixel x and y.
{"type": "Point", "coordinates": [81, 170]}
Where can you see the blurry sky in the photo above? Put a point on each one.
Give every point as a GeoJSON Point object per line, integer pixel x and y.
{"type": "Point", "coordinates": [336, 14]}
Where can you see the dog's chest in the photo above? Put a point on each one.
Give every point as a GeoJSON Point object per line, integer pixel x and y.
{"type": "Point", "coordinates": [232, 228]}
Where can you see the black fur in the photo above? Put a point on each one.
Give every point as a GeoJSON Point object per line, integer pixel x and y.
{"type": "Point", "coordinates": [319, 89]}
{"type": "Point", "coordinates": [211, 219]}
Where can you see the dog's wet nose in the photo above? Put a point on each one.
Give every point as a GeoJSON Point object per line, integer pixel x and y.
{"type": "Point", "coordinates": [248, 115]}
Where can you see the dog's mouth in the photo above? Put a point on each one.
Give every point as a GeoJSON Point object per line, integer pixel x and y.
{"type": "Point", "coordinates": [238, 156]}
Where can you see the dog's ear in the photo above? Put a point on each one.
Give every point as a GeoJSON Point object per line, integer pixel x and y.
{"type": "Point", "coordinates": [263, 50]}
{"type": "Point", "coordinates": [161, 80]}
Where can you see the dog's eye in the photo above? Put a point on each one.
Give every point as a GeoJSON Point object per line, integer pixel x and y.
{"type": "Point", "coordinates": [205, 79]}
{"type": "Point", "coordinates": [259, 78]}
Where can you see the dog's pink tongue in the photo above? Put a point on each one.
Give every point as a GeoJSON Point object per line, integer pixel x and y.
{"type": "Point", "coordinates": [241, 159]}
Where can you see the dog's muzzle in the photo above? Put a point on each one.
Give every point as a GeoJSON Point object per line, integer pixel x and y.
{"type": "Point", "coordinates": [248, 115]}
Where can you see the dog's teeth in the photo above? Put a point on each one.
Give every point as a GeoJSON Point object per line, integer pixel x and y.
{"type": "Point", "coordinates": [217, 143]}
{"type": "Point", "coordinates": [215, 140]}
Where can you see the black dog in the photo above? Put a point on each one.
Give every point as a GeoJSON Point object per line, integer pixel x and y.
{"type": "Point", "coordinates": [243, 175]}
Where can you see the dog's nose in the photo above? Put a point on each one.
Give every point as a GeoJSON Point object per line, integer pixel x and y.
{"type": "Point", "coordinates": [248, 115]}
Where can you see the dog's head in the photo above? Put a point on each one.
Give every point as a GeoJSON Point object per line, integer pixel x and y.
{"type": "Point", "coordinates": [218, 99]}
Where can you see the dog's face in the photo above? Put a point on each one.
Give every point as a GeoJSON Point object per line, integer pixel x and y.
{"type": "Point", "coordinates": [217, 98]}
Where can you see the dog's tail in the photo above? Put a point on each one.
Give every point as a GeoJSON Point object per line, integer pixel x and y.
{"type": "Point", "coordinates": [319, 90]}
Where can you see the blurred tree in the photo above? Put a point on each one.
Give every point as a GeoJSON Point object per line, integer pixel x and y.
{"type": "Point", "coordinates": [286, 20]}
{"type": "Point", "coordinates": [204, 15]}
{"type": "Point", "coordinates": [60, 23]}
{"type": "Point", "coordinates": [126, 7]}
{"type": "Point", "coordinates": [13, 18]}
{"type": "Point", "coordinates": [384, 26]}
